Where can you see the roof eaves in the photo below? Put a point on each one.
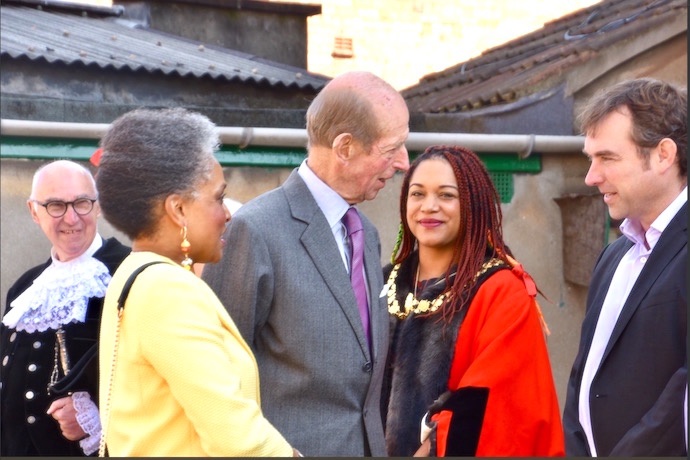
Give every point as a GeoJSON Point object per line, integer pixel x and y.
{"type": "Point", "coordinates": [302, 9]}
{"type": "Point", "coordinates": [56, 37]}
{"type": "Point", "coordinates": [85, 9]}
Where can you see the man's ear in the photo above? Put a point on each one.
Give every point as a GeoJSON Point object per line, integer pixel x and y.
{"type": "Point", "coordinates": [342, 146]}
{"type": "Point", "coordinates": [32, 210]}
{"type": "Point", "coordinates": [666, 152]}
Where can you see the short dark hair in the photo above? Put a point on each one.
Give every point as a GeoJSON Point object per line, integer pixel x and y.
{"type": "Point", "coordinates": [149, 154]}
{"type": "Point", "coordinates": [658, 109]}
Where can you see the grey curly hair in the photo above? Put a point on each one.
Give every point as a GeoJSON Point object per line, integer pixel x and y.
{"type": "Point", "coordinates": [149, 154]}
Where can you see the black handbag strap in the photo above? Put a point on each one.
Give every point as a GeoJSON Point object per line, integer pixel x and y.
{"type": "Point", "coordinates": [63, 385]}
{"type": "Point", "coordinates": [128, 284]}
{"type": "Point", "coordinates": [102, 447]}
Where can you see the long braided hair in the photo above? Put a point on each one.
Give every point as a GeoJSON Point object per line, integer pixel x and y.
{"type": "Point", "coordinates": [480, 231]}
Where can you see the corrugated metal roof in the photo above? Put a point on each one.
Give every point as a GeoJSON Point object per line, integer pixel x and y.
{"type": "Point", "coordinates": [523, 66]}
{"type": "Point", "coordinates": [112, 43]}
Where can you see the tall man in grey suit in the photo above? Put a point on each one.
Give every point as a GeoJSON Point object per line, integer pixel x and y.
{"type": "Point", "coordinates": [628, 383]}
{"type": "Point", "coordinates": [284, 278]}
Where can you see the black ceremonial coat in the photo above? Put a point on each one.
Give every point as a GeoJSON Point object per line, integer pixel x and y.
{"type": "Point", "coordinates": [27, 362]}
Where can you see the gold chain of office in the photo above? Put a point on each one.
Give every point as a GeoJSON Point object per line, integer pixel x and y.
{"type": "Point", "coordinates": [416, 306]}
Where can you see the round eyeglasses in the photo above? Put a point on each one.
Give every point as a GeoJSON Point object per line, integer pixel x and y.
{"type": "Point", "coordinates": [82, 206]}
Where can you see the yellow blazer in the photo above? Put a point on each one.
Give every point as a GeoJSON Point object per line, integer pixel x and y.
{"type": "Point", "coordinates": [185, 382]}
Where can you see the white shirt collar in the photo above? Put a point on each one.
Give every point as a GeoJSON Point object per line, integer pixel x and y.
{"type": "Point", "coordinates": [632, 229]}
{"type": "Point", "coordinates": [90, 251]}
{"type": "Point", "coordinates": [333, 205]}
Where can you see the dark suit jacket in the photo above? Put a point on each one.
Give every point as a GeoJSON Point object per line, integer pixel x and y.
{"type": "Point", "coordinates": [284, 284]}
{"type": "Point", "coordinates": [636, 397]}
{"type": "Point", "coordinates": [28, 362]}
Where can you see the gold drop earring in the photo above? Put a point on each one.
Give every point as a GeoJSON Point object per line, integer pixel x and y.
{"type": "Point", "coordinates": [184, 246]}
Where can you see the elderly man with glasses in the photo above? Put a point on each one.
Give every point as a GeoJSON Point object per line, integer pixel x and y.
{"type": "Point", "coordinates": [49, 375]}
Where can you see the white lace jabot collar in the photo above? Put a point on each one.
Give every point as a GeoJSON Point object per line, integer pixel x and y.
{"type": "Point", "coordinates": [60, 294]}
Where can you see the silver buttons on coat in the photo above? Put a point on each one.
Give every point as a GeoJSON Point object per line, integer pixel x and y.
{"type": "Point", "coordinates": [37, 345]}
{"type": "Point", "coordinates": [29, 394]}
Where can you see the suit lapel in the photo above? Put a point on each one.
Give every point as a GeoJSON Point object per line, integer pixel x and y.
{"type": "Point", "coordinates": [600, 285]}
{"type": "Point", "coordinates": [319, 243]}
{"type": "Point", "coordinates": [672, 240]}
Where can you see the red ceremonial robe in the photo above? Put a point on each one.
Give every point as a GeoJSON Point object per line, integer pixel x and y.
{"type": "Point", "coordinates": [495, 363]}
{"type": "Point", "coordinates": [501, 348]}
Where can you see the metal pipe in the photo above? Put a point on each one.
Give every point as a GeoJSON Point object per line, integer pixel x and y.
{"type": "Point", "coordinates": [523, 144]}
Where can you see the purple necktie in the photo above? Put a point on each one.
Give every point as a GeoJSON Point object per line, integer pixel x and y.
{"type": "Point", "coordinates": [355, 235]}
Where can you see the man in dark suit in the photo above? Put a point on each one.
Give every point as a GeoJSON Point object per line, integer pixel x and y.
{"type": "Point", "coordinates": [628, 383]}
{"type": "Point", "coordinates": [52, 319]}
{"type": "Point", "coordinates": [285, 279]}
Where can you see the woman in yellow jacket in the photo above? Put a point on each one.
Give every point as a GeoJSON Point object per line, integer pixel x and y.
{"type": "Point", "coordinates": [176, 377]}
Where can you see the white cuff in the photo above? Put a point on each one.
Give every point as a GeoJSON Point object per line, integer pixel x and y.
{"type": "Point", "coordinates": [89, 420]}
{"type": "Point", "coordinates": [425, 429]}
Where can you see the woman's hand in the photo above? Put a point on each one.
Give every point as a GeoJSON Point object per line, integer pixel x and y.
{"type": "Point", "coordinates": [424, 449]}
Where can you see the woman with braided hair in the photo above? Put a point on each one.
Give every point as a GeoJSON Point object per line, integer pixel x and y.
{"type": "Point", "coordinates": [468, 365]}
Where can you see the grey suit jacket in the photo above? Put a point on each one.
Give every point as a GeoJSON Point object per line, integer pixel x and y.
{"type": "Point", "coordinates": [284, 283]}
{"type": "Point", "coordinates": [636, 397]}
